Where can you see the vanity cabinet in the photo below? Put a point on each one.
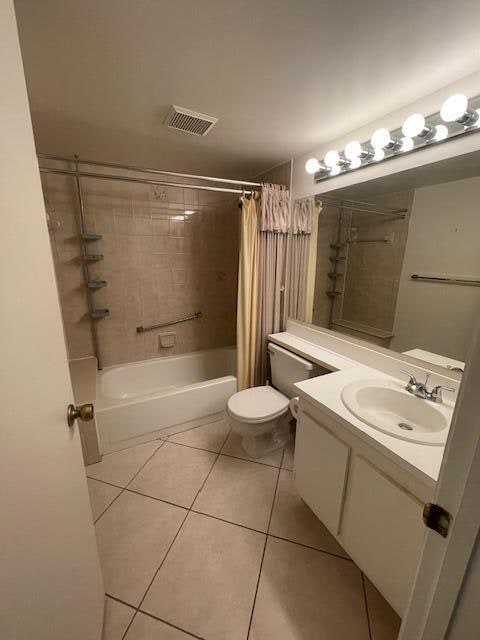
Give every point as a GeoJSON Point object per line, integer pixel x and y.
{"type": "Point", "coordinates": [372, 506]}
{"type": "Point", "coordinates": [321, 471]}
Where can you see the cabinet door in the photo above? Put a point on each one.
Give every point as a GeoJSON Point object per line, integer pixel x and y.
{"type": "Point", "coordinates": [321, 463]}
{"type": "Point", "coordinates": [383, 531]}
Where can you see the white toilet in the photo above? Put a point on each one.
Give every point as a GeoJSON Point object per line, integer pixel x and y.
{"type": "Point", "coordinates": [261, 415]}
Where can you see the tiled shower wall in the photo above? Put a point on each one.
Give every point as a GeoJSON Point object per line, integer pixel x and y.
{"type": "Point", "coordinates": [168, 252]}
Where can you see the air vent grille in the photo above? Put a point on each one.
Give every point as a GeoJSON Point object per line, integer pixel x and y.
{"type": "Point", "coordinates": [189, 121]}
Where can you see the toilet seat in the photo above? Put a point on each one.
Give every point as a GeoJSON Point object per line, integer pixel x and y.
{"type": "Point", "coordinates": [257, 405]}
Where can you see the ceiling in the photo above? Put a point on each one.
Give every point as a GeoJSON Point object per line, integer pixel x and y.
{"type": "Point", "coordinates": [283, 77]}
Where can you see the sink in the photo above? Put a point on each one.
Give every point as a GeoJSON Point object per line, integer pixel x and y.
{"type": "Point", "coordinates": [388, 407]}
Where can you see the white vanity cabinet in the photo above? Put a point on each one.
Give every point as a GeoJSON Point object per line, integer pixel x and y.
{"type": "Point", "coordinates": [371, 505]}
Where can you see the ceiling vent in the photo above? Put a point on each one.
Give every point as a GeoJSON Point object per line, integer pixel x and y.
{"type": "Point", "coordinates": [190, 121]}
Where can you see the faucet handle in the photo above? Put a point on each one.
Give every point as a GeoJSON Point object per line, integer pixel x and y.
{"type": "Point", "coordinates": [412, 380]}
{"type": "Point", "coordinates": [436, 393]}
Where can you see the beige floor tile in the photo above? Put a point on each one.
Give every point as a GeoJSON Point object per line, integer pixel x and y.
{"type": "Point", "coordinates": [308, 595]}
{"type": "Point", "coordinates": [293, 520]}
{"type": "Point", "coordinates": [384, 621]}
{"type": "Point", "coordinates": [207, 582]}
{"type": "Point", "coordinates": [240, 492]}
{"type": "Point", "coordinates": [175, 474]}
{"type": "Point", "coordinates": [287, 462]}
{"type": "Point", "coordinates": [101, 495]}
{"type": "Point", "coordinates": [133, 536]}
{"type": "Point", "coordinates": [116, 619]}
{"type": "Point", "coordinates": [209, 437]}
{"type": "Point", "coordinates": [147, 628]}
{"type": "Point", "coordinates": [120, 467]}
{"type": "Point", "coordinates": [233, 447]}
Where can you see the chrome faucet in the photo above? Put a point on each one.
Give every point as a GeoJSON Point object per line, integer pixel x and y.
{"type": "Point", "coordinates": [420, 390]}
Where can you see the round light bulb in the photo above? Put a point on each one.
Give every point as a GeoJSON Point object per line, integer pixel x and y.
{"type": "Point", "coordinates": [379, 155]}
{"type": "Point", "coordinates": [380, 138]}
{"type": "Point", "coordinates": [413, 125]}
{"type": "Point", "coordinates": [312, 166]}
{"type": "Point", "coordinates": [335, 170]}
{"type": "Point", "coordinates": [454, 108]}
{"type": "Point", "coordinates": [353, 150]}
{"type": "Point", "coordinates": [355, 163]}
{"type": "Point", "coordinates": [441, 132]}
{"type": "Point", "coordinates": [332, 158]}
{"type": "Point", "coordinates": [407, 144]}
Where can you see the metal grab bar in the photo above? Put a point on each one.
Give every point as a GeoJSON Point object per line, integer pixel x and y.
{"type": "Point", "coordinates": [474, 282]}
{"type": "Point", "coordinates": [167, 324]}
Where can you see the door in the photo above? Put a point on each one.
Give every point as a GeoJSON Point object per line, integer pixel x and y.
{"type": "Point", "coordinates": [441, 602]}
{"type": "Point", "coordinates": [51, 585]}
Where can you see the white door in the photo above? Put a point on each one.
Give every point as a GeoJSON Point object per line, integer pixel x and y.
{"type": "Point", "coordinates": [50, 581]}
{"type": "Point", "coordinates": [444, 601]}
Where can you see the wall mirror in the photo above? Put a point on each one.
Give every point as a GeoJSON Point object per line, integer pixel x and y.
{"type": "Point", "coordinates": [398, 260]}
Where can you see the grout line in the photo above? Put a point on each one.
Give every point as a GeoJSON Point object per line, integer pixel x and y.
{"type": "Point", "coordinates": [264, 549]}
{"type": "Point", "coordinates": [307, 546]}
{"type": "Point", "coordinates": [366, 606]}
{"type": "Point", "coordinates": [190, 446]}
{"type": "Point", "coordinates": [191, 428]}
{"type": "Point", "coordinates": [109, 595]}
{"type": "Point", "coordinates": [123, 489]}
{"type": "Point", "coordinates": [170, 624]}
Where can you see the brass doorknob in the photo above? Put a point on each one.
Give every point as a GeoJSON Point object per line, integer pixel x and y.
{"type": "Point", "coordinates": [84, 412]}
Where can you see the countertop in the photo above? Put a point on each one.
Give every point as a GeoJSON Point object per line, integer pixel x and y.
{"type": "Point", "coordinates": [324, 392]}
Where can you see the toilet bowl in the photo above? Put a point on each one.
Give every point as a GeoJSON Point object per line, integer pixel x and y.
{"type": "Point", "coordinates": [261, 415]}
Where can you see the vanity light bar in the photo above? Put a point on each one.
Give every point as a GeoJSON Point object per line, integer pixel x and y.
{"type": "Point", "coordinates": [460, 114]}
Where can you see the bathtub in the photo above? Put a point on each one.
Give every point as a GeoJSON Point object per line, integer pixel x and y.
{"type": "Point", "coordinates": [141, 401]}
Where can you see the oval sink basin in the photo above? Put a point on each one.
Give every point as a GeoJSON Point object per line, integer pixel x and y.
{"type": "Point", "coordinates": [387, 407]}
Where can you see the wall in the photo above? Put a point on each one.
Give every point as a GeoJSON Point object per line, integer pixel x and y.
{"type": "Point", "coordinates": [303, 184]}
{"type": "Point", "coordinates": [168, 252]}
{"type": "Point", "coordinates": [443, 239]}
{"type": "Point", "coordinates": [280, 174]}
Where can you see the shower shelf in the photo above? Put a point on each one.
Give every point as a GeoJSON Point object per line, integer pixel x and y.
{"type": "Point", "coordinates": [93, 257]}
{"type": "Point", "coordinates": [99, 313]}
{"type": "Point", "coordinates": [334, 294]}
{"type": "Point", "coordinates": [96, 284]}
{"type": "Point", "coordinates": [332, 275]}
{"type": "Point", "coordinates": [338, 246]}
{"type": "Point", "coordinates": [90, 237]}
{"type": "Point", "coordinates": [337, 258]}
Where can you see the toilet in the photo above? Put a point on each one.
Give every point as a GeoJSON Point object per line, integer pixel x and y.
{"type": "Point", "coordinates": [261, 415]}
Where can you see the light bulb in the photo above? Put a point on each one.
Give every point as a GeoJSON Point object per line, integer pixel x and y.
{"type": "Point", "coordinates": [312, 166]}
{"type": "Point", "coordinates": [379, 155]}
{"type": "Point", "coordinates": [441, 132]}
{"type": "Point", "coordinates": [414, 125]}
{"type": "Point", "coordinates": [380, 138]}
{"type": "Point", "coordinates": [454, 108]}
{"type": "Point", "coordinates": [407, 144]}
{"type": "Point", "coordinates": [335, 170]}
{"type": "Point", "coordinates": [332, 158]}
{"type": "Point", "coordinates": [353, 150]}
{"type": "Point", "coordinates": [355, 163]}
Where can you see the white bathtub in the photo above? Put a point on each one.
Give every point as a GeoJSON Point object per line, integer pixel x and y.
{"type": "Point", "coordinates": [136, 402]}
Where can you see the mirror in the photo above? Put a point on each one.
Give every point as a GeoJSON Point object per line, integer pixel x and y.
{"type": "Point", "coordinates": [398, 261]}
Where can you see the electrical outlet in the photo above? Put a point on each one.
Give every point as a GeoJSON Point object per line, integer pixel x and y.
{"type": "Point", "coordinates": [160, 194]}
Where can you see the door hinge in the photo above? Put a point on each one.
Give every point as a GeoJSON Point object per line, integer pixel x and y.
{"type": "Point", "coordinates": [437, 518]}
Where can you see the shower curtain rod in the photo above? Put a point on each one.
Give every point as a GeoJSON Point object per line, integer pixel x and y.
{"type": "Point", "coordinates": [104, 176]}
{"type": "Point", "coordinates": [128, 167]}
{"type": "Point", "coordinates": [361, 206]}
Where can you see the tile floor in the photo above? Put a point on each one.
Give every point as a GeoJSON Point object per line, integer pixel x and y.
{"type": "Point", "coordinates": [197, 540]}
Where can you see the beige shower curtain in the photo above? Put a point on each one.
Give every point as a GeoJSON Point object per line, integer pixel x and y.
{"type": "Point", "coordinates": [248, 300]}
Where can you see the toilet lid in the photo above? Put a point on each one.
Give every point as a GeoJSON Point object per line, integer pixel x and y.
{"type": "Point", "coordinates": [257, 404]}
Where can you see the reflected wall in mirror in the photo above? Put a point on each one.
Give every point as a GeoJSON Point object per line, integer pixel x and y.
{"type": "Point", "coordinates": [398, 261]}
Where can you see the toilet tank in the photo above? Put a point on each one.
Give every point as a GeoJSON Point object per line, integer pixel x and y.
{"type": "Point", "coordinates": [288, 368]}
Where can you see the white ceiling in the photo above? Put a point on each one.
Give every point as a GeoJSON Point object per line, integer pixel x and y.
{"type": "Point", "coordinates": [283, 76]}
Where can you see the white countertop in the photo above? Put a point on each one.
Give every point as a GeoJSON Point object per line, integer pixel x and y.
{"type": "Point", "coordinates": [319, 355]}
{"type": "Point", "coordinates": [324, 392]}
{"type": "Point", "coordinates": [435, 358]}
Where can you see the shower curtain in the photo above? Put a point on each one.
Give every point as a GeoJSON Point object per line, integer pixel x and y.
{"type": "Point", "coordinates": [248, 294]}
{"type": "Point", "coordinates": [273, 275]}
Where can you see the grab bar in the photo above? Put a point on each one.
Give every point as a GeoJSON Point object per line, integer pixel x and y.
{"type": "Point", "coordinates": [471, 282]}
{"type": "Point", "coordinates": [167, 324]}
